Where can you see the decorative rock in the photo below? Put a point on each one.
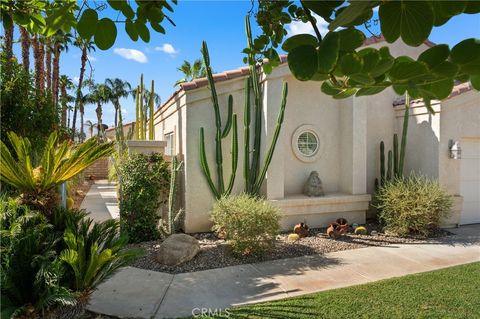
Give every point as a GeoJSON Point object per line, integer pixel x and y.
{"type": "Point", "coordinates": [313, 186]}
{"type": "Point", "coordinates": [80, 193]}
{"type": "Point", "coordinates": [177, 249]}
{"type": "Point", "coordinates": [374, 233]}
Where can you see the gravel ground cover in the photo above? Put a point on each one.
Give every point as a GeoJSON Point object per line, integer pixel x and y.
{"type": "Point", "coordinates": [214, 252]}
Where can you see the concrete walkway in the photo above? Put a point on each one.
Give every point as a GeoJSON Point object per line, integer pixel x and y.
{"type": "Point", "coordinates": [137, 293]}
{"type": "Point", "coordinates": [101, 201]}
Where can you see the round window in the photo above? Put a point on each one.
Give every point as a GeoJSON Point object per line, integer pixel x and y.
{"type": "Point", "coordinates": [307, 143]}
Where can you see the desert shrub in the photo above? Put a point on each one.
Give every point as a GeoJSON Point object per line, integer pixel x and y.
{"type": "Point", "coordinates": [145, 184]}
{"type": "Point", "coordinates": [248, 223]}
{"type": "Point", "coordinates": [412, 205]}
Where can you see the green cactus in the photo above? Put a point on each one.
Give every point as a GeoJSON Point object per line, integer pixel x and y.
{"type": "Point", "coordinates": [144, 113]}
{"type": "Point", "coordinates": [151, 127]}
{"type": "Point", "coordinates": [137, 114]}
{"type": "Point", "coordinates": [172, 223]}
{"type": "Point", "coordinates": [218, 190]}
{"type": "Point", "coordinates": [396, 159]}
{"type": "Point", "coordinates": [254, 174]}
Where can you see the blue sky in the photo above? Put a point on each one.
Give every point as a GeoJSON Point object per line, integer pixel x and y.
{"type": "Point", "coordinates": [221, 24]}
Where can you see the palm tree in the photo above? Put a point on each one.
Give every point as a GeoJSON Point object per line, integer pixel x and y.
{"type": "Point", "coordinates": [8, 42]}
{"type": "Point", "coordinates": [65, 84]}
{"type": "Point", "coordinates": [90, 126]}
{"type": "Point", "coordinates": [85, 46]}
{"type": "Point", "coordinates": [39, 64]}
{"type": "Point", "coordinates": [99, 94]}
{"type": "Point", "coordinates": [25, 40]}
{"type": "Point", "coordinates": [60, 43]}
{"type": "Point", "coordinates": [48, 62]}
{"type": "Point", "coordinates": [191, 72]}
{"type": "Point", "coordinates": [119, 89]}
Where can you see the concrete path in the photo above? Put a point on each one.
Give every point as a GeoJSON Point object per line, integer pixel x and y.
{"type": "Point", "coordinates": [101, 201]}
{"type": "Point", "coordinates": [137, 293]}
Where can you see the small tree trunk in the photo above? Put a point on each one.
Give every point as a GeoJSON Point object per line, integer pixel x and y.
{"type": "Point", "coordinates": [64, 105]}
{"type": "Point", "coordinates": [98, 110]}
{"type": "Point", "coordinates": [48, 63]}
{"type": "Point", "coordinates": [56, 73]}
{"type": "Point", "coordinates": [25, 39]}
{"type": "Point", "coordinates": [38, 58]}
{"type": "Point", "coordinates": [8, 43]}
{"type": "Point", "coordinates": [79, 90]}
{"type": "Point", "coordinates": [81, 123]}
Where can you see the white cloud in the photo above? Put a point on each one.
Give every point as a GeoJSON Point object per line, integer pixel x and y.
{"type": "Point", "coordinates": [131, 54]}
{"type": "Point", "coordinates": [298, 27]}
{"type": "Point", "coordinates": [76, 79]}
{"type": "Point", "coordinates": [167, 48]}
{"type": "Point", "coordinates": [91, 58]}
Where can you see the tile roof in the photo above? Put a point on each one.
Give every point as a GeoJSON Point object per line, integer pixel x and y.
{"type": "Point", "coordinates": [457, 90]}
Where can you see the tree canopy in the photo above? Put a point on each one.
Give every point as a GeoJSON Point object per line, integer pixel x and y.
{"type": "Point", "coordinates": [346, 69]}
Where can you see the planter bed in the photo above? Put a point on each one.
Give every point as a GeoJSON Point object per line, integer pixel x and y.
{"type": "Point", "coordinates": [215, 253]}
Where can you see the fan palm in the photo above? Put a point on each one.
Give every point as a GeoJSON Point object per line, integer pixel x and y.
{"type": "Point", "coordinates": [38, 182]}
{"type": "Point", "coordinates": [60, 43]}
{"type": "Point", "coordinates": [66, 83]}
{"type": "Point", "coordinates": [90, 126]}
{"type": "Point", "coordinates": [86, 46]}
{"type": "Point", "coordinates": [191, 72]}
{"type": "Point", "coordinates": [99, 95]}
{"type": "Point", "coordinates": [119, 89]}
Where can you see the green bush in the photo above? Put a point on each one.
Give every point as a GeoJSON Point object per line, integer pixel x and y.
{"type": "Point", "coordinates": [248, 223]}
{"type": "Point", "coordinates": [412, 205]}
{"type": "Point", "coordinates": [145, 184]}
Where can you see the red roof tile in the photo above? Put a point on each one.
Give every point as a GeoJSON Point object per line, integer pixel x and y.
{"type": "Point", "coordinates": [457, 90]}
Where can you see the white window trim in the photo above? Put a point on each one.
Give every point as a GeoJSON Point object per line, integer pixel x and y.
{"type": "Point", "coordinates": [320, 143]}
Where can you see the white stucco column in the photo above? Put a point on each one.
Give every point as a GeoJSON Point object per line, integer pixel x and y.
{"type": "Point", "coordinates": [275, 180]}
{"type": "Point", "coordinates": [353, 146]}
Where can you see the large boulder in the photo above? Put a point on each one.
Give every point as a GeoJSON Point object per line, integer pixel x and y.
{"type": "Point", "coordinates": [177, 249]}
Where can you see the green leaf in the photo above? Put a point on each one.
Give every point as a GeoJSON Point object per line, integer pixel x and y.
{"type": "Point", "coordinates": [466, 51]}
{"type": "Point", "coordinates": [435, 55]}
{"type": "Point", "coordinates": [117, 4]}
{"type": "Point", "coordinates": [475, 80]}
{"type": "Point", "coordinates": [350, 39]}
{"type": "Point", "coordinates": [87, 25]}
{"type": "Point", "coordinates": [370, 58]}
{"type": "Point", "coordinates": [157, 27]}
{"type": "Point", "coordinates": [328, 52]}
{"type": "Point", "coordinates": [446, 69]}
{"type": "Point", "coordinates": [128, 12]}
{"type": "Point", "coordinates": [440, 89]}
{"type": "Point", "coordinates": [6, 20]}
{"type": "Point", "coordinates": [302, 61]}
{"type": "Point", "coordinates": [320, 77]}
{"type": "Point", "coordinates": [412, 20]}
{"type": "Point", "coordinates": [343, 94]}
{"type": "Point", "coordinates": [142, 30]}
{"type": "Point", "coordinates": [298, 40]}
{"type": "Point", "coordinates": [370, 90]}
{"type": "Point", "coordinates": [407, 70]}
{"type": "Point", "coordinates": [329, 88]}
{"type": "Point", "coordinates": [473, 6]}
{"type": "Point", "coordinates": [362, 78]}
{"type": "Point", "coordinates": [400, 89]}
{"type": "Point", "coordinates": [351, 63]}
{"type": "Point", "coordinates": [323, 8]}
{"type": "Point", "coordinates": [155, 15]}
{"type": "Point", "coordinates": [351, 13]}
{"type": "Point", "coordinates": [106, 34]}
{"type": "Point", "coordinates": [131, 30]}
{"type": "Point", "coordinates": [444, 10]}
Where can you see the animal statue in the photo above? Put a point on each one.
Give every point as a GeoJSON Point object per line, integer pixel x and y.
{"type": "Point", "coordinates": [313, 187]}
{"type": "Point", "coordinates": [301, 230]}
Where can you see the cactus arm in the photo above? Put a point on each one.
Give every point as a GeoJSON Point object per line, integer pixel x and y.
{"type": "Point", "coordinates": [389, 165]}
{"type": "Point", "coordinates": [271, 149]}
{"type": "Point", "coordinates": [246, 135]}
{"type": "Point", "coordinates": [218, 120]}
{"type": "Point", "coordinates": [140, 96]}
{"type": "Point", "coordinates": [234, 155]}
{"type": "Point", "coordinates": [228, 125]}
{"type": "Point", "coordinates": [151, 128]}
{"type": "Point", "coordinates": [137, 113]}
{"type": "Point", "coordinates": [204, 165]}
{"type": "Point", "coordinates": [395, 155]}
{"type": "Point", "coordinates": [404, 135]}
{"type": "Point", "coordinates": [258, 107]}
{"type": "Point", "coordinates": [382, 163]}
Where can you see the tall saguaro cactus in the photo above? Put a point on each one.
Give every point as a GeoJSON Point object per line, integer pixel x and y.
{"type": "Point", "coordinates": [396, 159]}
{"type": "Point", "coordinates": [219, 189]}
{"type": "Point", "coordinates": [144, 113]}
{"type": "Point", "coordinates": [254, 173]}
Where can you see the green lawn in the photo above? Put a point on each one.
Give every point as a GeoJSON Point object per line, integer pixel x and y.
{"type": "Point", "coordinates": [448, 293]}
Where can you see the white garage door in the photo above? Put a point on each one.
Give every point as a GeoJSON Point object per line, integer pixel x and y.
{"type": "Point", "coordinates": [470, 181]}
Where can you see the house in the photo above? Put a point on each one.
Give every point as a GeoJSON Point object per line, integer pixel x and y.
{"type": "Point", "coordinates": [338, 138]}
{"type": "Point", "coordinates": [128, 128]}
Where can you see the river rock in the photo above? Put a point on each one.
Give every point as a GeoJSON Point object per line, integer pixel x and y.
{"type": "Point", "coordinates": [177, 249]}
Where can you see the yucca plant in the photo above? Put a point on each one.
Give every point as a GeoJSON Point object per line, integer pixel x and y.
{"type": "Point", "coordinates": [95, 252]}
{"type": "Point", "coordinates": [31, 272]}
{"type": "Point", "coordinates": [38, 182]}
